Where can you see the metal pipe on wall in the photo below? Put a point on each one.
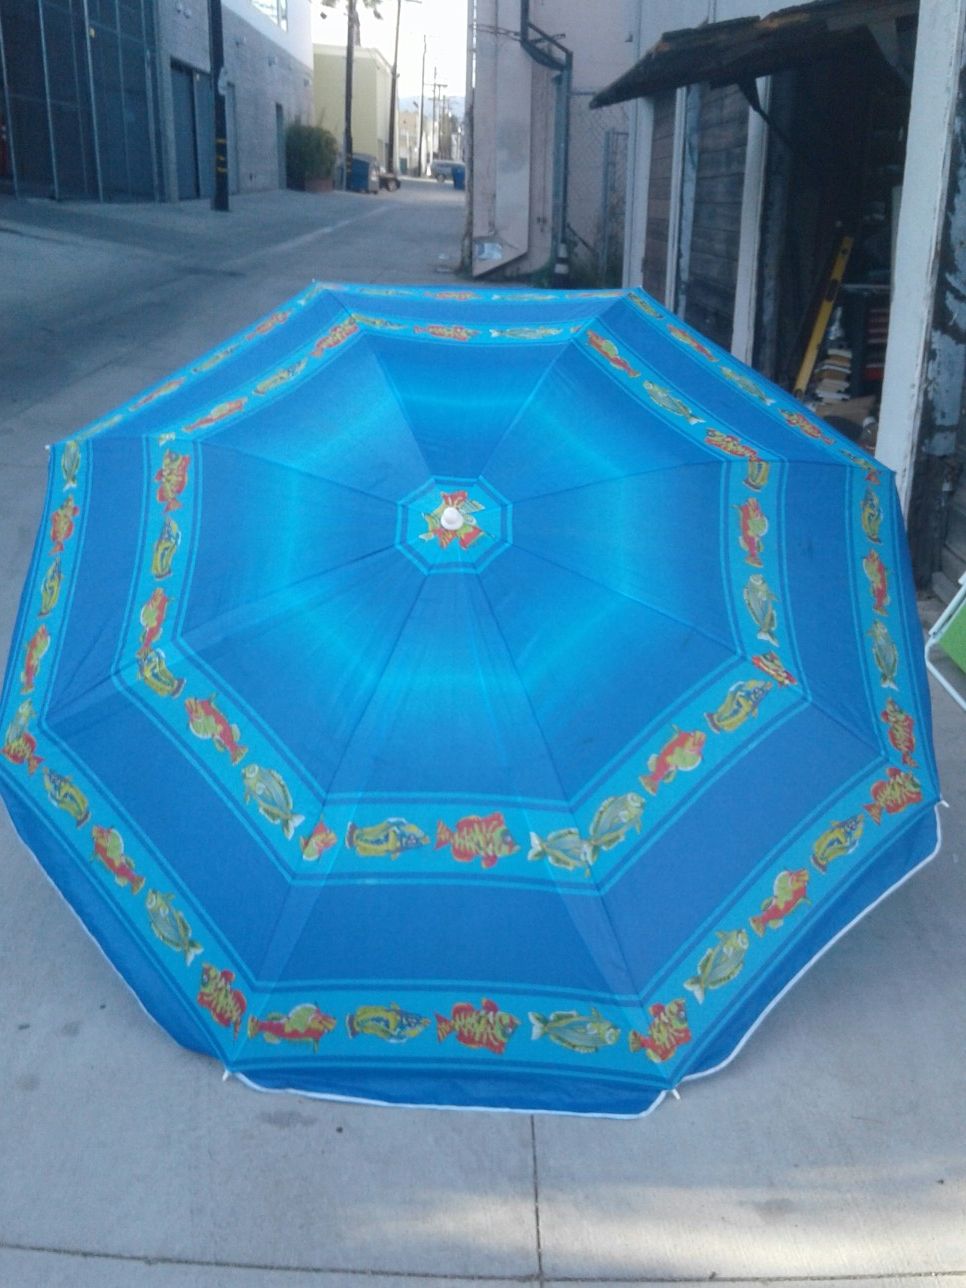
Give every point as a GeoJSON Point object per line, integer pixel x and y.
{"type": "Point", "coordinates": [50, 118]}
{"type": "Point", "coordinates": [563, 66]}
{"type": "Point", "coordinates": [88, 37]}
{"type": "Point", "coordinates": [6, 109]}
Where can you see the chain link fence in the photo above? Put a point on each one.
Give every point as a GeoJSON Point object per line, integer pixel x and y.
{"type": "Point", "coordinates": [596, 191]}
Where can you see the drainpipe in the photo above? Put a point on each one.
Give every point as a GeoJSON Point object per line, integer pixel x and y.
{"type": "Point", "coordinates": [561, 60]}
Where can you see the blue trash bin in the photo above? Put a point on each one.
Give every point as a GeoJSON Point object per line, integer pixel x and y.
{"type": "Point", "coordinates": [364, 174]}
{"type": "Point", "coordinates": [459, 177]}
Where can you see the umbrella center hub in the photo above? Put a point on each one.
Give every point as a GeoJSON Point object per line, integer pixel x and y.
{"type": "Point", "coordinates": [453, 525]}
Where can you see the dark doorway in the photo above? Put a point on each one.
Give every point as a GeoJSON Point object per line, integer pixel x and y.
{"type": "Point", "coordinates": [185, 149]}
{"type": "Point", "coordinates": [194, 131]}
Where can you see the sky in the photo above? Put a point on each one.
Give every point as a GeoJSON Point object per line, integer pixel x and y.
{"type": "Point", "coordinates": [443, 22]}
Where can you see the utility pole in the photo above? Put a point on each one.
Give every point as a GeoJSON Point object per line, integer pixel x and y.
{"type": "Point", "coordinates": [432, 137]}
{"type": "Point", "coordinates": [437, 85]}
{"type": "Point", "coordinates": [216, 45]}
{"type": "Point", "coordinates": [422, 90]}
{"type": "Point", "coordinates": [392, 99]}
{"type": "Point", "coordinates": [347, 133]}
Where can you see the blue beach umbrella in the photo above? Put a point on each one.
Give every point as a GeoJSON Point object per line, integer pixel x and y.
{"type": "Point", "coordinates": [475, 698]}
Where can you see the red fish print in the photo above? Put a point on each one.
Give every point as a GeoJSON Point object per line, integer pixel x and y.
{"type": "Point", "coordinates": [487, 1029]}
{"type": "Point", "coordinates": [893, 794]}
{"type": "Point", "coordinates": [62, 524]}
{"type": "Point", "coordinates": [902, 733]}
{"type": "Point", "coordinates": [153, 613]}
{"type": "Point", "coordinates": [667, 1031]}
{"type": "Point", "coordinates": [729, 444]}
{"type": "Point", "coordinates": [320, 839]}
{"type": "Point", "coordinates": [797, 421]}
{"type": "Point", "coordinates": [219, 413]}
{"type": "Point", "coordinates": [109, 848]}
{"type": "Point", "coordinates": [168, 387]}
{"type": "Point", "coordinates": [685, 338]}
{"type": "Point", "coordinates": [771, 664]}
{"type": "Point", "coordinates": [20, 746]}
{"type": "Point", "coordinates": [486, 837]}
{"type": "Point", "coordinates": [446, 332]}
{"type": "Point", "coordinates": [790, 889]}
{"type": "Point", "coordinates": [609, 351]}
{"type": "Point", "coordinates": [878, 577]}
{"type": "Point", "coordinates": [269, 324]}
{"type": "Point", "coordinates": [206, 721]}
{"type": "Point", "coordinates": [37, 646]}
{"type": "Point", "coordinates": [225, 1004]}
{"type": "Point", "coordinates": [335, 336]}
{"type": "Point", "coordinates": [753, 525]}
{"type": "Point", "coordinates": [682, 752]}
{"type": "Point", "coordinates": [172, 478]}
{"type": "Point", "coordinates": [303, 1023]}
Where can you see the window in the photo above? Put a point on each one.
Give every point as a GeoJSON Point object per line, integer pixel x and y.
{"type": "Point", "coordinates": [276, 10]}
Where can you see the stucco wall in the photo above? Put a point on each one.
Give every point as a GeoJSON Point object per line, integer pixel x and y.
{"type": "Point", "coordinates": [371, 80]}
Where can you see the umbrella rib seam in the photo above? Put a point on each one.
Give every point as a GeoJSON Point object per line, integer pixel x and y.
{"type": "Point", "coordinates": [601, 903]}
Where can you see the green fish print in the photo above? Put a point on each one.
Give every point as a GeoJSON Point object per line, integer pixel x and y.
{"type": "Point", "coordinates": [719, 965]}
{"type": "Point", "coordinates": [391, 1023]}
{"type": "Point", "coordinates": [274, 800]}
{"type": "Point", "coordinates": [748, 386]}
{"type": "Point", "coordinates": [614, 819]}
{"type": "Point", "coordinates": [583, 1034]}
{"type": "Point", "coordinates": [665, 399]}
{"type": "Point", "coordinates": [565, 849]}
{"type": "Point", "coordinates": [759, 600]}
{"type": "Point", "coordinates": [62, 792]}
{"type": "Point", "coordinates": [69, 464]}
{"type": "Point", "coordinates": [645, 305]}
{"type": "Point", "coordinates": [837, 840]}
{"type": "Point", "coordinates": [153, 670]}
{"type": "Point", "coordinates": [392, 836]}
{"type": "Point", "coordinates": [885, 653]}
{"type": "Point", "coordinates": [170, 926]}
{"type": "Point", "coordinates": [741, 703]}
{"type": "Point", "coordinates": [165, 549]}
{"type": "Point", "coordinates": [871, 513]}
{"type": "Point", "coordinates": [50, 588]}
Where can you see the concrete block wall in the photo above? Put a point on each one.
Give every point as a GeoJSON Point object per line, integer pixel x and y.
{"type": "Point", "coordinates": [259, 63]}
{"type": "Point", "coordinates": [263, 74]}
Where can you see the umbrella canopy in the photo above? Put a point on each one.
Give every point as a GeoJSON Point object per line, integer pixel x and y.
{"type": "Point", "coordinates": [481, 698]}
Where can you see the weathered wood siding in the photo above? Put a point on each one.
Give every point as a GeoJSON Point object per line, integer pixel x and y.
{"type": "Point", "coordinates": [713, 261]}
{"type": "Point", "coordinates": [654, 264]}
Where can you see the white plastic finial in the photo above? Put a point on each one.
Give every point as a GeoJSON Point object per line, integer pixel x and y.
{"type": "Point", "coordinates": [452, 519]}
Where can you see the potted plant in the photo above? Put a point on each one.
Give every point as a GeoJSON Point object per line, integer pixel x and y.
{"type": "Point", "coordinates": [310, 152]}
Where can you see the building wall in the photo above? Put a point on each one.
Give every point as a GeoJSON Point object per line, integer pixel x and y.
{"type": "Point", "coordinates": [265, 66]}
{"type": "Point", "coordinates": [371, 90]}
{"type": "Point", "coordinates": [514, 112]}
{"type": "Point", "coordinates": [77, 94]}
{"type": "Point", "coordinates": [657, 224]}
{"type": "Point", "coordinates": [407, 126]}
{"type": "Point", "coordinates": [712, 255]}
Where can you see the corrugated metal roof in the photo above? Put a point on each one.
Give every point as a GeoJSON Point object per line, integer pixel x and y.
{"type": "Point", "coordinates": [742, 49]}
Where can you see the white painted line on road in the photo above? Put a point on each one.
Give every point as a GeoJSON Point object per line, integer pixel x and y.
{"type": "Point", "coordinates": [282, 247]}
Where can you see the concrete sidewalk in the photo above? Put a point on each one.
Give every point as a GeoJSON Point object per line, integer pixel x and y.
{"type": "Point", "coordinates": [832, 1150]}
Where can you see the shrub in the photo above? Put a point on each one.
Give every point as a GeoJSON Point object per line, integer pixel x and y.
{"type": "Point", "coordinates": [310, 152]}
